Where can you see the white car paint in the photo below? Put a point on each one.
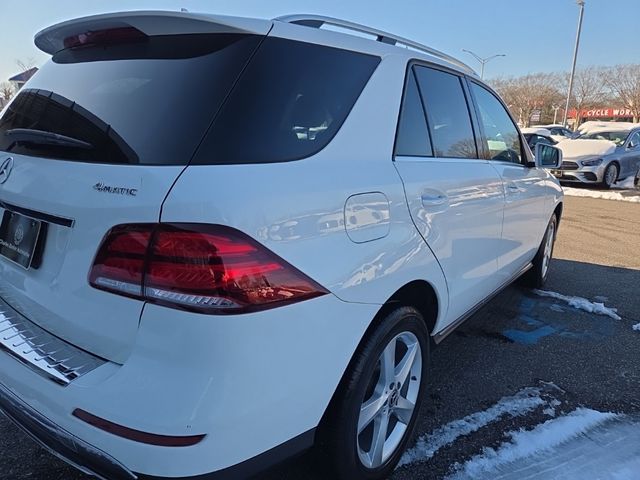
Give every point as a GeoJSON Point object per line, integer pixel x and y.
{"type": "Point", "coordinates": [254, 381]}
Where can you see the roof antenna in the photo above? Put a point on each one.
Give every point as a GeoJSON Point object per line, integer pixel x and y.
{"type": "Point", "coordinates": [183, 9]}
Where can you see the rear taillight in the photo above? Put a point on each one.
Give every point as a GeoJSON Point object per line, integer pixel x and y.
{"type": "Point", "coordinates": [198, 267]}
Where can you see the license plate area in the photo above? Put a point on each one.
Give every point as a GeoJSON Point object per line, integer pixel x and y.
{"type": "Point", "coordinates": [21, 239]}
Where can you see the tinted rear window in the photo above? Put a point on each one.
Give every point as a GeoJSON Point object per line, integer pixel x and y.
{"type": "Point", "coordinates": [148, 103]}
{"type": "Point", "coordinates": [288, 104]}
{"type": "Point", "coordinates": [412, 138]}
{"type": "Point", "coordinates": [447, 113]}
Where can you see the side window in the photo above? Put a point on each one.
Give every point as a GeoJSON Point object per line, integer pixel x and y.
{"type": "Point", "coordinates": [447, 113]}
{"type": "Point", "coordinates": [544, 140]}
{"type": "Point", "coordinates": [413, 136]}
{"type": "Point", "coordinates": [501, 135]}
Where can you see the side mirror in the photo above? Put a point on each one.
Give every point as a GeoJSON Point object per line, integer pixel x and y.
{"type": "Point", "coordinates": [548, 156]}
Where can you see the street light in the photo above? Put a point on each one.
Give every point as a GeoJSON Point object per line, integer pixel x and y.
{"type": "Point", "coordinates": [575, 58]}
{"type": "Point", "coordinates": [555, 112]}
{"type": "Point", "coordinates": [483, 60]}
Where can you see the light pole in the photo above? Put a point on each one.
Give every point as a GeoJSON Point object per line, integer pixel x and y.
{"type": "Point", "coordinates": [483, 60]}
{"type": "Point", "coordinates": [575, 58]}
{"type": "Point", "coordinates": [555, 112]}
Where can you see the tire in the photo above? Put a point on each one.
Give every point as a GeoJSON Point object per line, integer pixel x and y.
{"type": "Point", "coordinates": [353, 456]}
{"type": "Point", "coordinates": [610, 175]}
{"type": "Point", "coordinates": [537, 275]}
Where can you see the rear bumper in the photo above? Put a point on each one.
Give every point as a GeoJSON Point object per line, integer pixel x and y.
{"type": "Point", "coordinates": [95, 462]}
{"type": "Point", "coordinates": [61, 443]}
{"type": "Point", "coordinates": [255, 385]}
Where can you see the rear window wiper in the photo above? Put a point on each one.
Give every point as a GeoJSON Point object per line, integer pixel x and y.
{"type": "Point", "coordinates": [41, 137]}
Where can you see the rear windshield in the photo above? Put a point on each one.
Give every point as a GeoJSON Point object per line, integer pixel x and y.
{"type": "Point", "coordinates": [144, 103]}
{"type": "Point", "coordinates": [153, 102]}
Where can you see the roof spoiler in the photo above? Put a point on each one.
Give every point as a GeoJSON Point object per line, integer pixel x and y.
{"type": "Point", "coordinates": [52, 39]}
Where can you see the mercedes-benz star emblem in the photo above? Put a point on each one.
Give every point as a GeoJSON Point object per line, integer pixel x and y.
{"type": "Point", "coordinates": [18, 236]}
{"type": "Point", "coordinates": [5, 169]}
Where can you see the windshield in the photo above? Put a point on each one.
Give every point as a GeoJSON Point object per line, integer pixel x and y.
{"type": "Point", "coordinates": [618, 137]}
{"type": "Point", "coordinates": [146, 103]}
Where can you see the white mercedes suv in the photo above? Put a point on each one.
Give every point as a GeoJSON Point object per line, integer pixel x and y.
{"type": "Point", "coordinates": [225, 240]}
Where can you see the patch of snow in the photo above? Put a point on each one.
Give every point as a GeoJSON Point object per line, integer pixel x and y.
{"type": "Point", "coordinates": [556, 308]}
{"type": "Point", "coordinates": [517, 405]}
{"type": "Point", "coordinates": [581, 303]}
{"type": "Point", "coordinates": [626, 184]}
{"type": "Point", "coordinates": [636, 327]}
{"type": "Point", "coordinates": [604, 194]}
{"type": "Point", "coordinates": [542, 443]}
{"type": "Point", "coordinates": [600, 298]}
{"type": "Point", "coordinates": [583, 147]}
{"type": "Point", "coordinates": [536, 130]}
{"type": "Point", "coordinates": [585, 444]}
{"type": "Point", "coordinates": [549, 411]}
{"type": "Point", "coordinates": [594, 126]}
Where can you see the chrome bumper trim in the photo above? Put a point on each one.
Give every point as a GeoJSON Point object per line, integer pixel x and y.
{"type": "Point", "coordinates": [45, 353]}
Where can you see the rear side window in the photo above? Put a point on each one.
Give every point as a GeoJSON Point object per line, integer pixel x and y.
{"type": "Point", "coordinates": [447, 113]}
{"type": "Point", "coordinates": [502, 139]}
{"type": "Point", "coordinates": [149, 102]}
{"type": "Point", "coordinates": [287, 105]}
{"type": "Point", "coordinates": [413, 136]}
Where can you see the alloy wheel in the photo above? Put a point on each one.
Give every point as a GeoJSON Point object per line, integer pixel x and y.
{"type": "Point", "coordinates": [611, 175]}
{"type": "Point", "coordinates": [390, 400]}
{"type": "Point", "coordinates": [548, 249]}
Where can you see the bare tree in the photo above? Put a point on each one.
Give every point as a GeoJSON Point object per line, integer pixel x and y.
{"type": "Point", "coordinates": [624, 82]}
{"type": "Point", "coordinates": [6, 90]}
{"type": "Point", "coordinates": [26, 64]}
{"type": "Point", "coordinates": [589, 89]}
{"type": "Point", "coordinates": [523, 95]}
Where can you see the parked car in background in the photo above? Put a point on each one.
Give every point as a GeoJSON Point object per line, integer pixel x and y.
{"type": "Point", "coordinates": [558, 132]}
{"type": "Point", "coordinates": [593, 125]}
{"type": "Point", "coordinates": [203, 280]}
{"type": "Point", "coordinates": [535, 135]}
{"type": "Point", "coordinates": [603, 154]}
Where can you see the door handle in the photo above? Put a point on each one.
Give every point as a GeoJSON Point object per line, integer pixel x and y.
{"type": "Point", "coordinates": [433, 200]}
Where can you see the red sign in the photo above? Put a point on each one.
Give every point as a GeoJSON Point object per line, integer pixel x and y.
{"type": "Point", "coordinates": [602, 113]}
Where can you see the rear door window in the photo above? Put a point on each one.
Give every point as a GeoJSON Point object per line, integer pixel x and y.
{"type": "Point", "coordinates": [413, 135]}
{"type": "Point", "coordinates": [149, 102]}
{"type": "Point", "coordinates": [501, 136]}
{"type": "Point", "coordinates": [287, 105]}
{"type": "Point", "coordinates": [447, 113]}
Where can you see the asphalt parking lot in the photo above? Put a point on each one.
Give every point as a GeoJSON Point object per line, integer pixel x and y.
{"type": "Point", "coordinates": [519, 340]}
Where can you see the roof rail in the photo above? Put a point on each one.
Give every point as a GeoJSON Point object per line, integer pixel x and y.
{"type": "Point", "coordinates": [317, 21]}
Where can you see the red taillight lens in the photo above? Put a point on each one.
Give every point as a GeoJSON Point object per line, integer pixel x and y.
{"type": "Point", "coordinates": [205, 268]}
{"type": "Point", "coordinates": [119, 265]}
{"type": "Point", "coordinates": [104, 37]}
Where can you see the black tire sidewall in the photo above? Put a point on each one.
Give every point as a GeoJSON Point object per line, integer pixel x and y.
{"type": "Point", "coordinates": [343, 444]}
{"type": "Point", "coordinates": [534, 278]}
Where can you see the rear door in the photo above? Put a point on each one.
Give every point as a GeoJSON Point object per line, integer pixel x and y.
{"type": "Point", "coordinates": [630, 161]}
{"type": "Point", "coordinates": [455, 198]}
{"type": "Point", "coordinates": [524, 185]}
{"type": "Point", "coordinates": [94, 140]}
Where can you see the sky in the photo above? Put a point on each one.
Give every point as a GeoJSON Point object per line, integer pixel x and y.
{"type": "Point", "coordinates": [535, 35]}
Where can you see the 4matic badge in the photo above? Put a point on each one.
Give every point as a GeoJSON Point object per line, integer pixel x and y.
{"type": "Point", "coordinates": [101, 187]}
